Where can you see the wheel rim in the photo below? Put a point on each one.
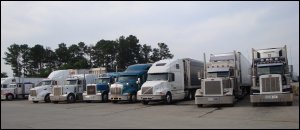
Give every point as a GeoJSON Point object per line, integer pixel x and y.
{"type": "Point", "coordinates": [47, 98]}
{"type": "Point", "coordinates": [9, 97]}
{"type": "Point", "coordinates": [168, 98]}
{"type": "Point", "coordinates": [71, 98]}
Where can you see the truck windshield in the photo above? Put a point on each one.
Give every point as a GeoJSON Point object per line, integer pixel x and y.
{"type": "Point", "coordinates": [157, 76]}
{"type": "Point", "coordinates": [103, 80]}
{"type": "Point", "coordinates": [44, 83]}
{"type": "Point", "coordinates": [71, 82]}
{"type": "Point", "coordinates": [12, 86]}
{"type": "Point", "coordinates": [125, 78]}
{"type": "Point", "coordinates": [269, 70]}
{"type": "Point", "coordinates": [218, 74]}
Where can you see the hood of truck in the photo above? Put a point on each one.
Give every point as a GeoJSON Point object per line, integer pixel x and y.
{"type": "Point", "coordinates": [158, 87]}
{"type": "Point", "coordinates": [7, 90]}
{"type": "Point", "coordinates": [154, 83]}
{"type": "Point", "coordinates": [42, 88]}
{"type": "Point", "coordinates": [127, 87]}
{"type": "Point", "coordinates": [102, 87]}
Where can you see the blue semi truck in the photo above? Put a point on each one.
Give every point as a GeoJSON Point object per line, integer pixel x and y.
{"type": "Point", "coordinates": [100, 90]}
{"type": "Point", "coordinates": [128, 83]}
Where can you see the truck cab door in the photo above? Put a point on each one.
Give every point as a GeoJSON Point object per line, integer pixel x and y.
{"type": "Point", "coordinates": [19, 88]}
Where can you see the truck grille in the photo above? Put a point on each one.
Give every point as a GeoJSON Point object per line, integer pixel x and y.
{"type": "Point", "coordinates": [32, 92]}
{"type": "Point", "coordinates": [115, 90]}
{"type": "Point", "coordinates": [212, 88]}
{"type": "Point", "coordinates": [57, 91]}
{"type": "Point", "coordinates": [91, 90]}
{"type": "Point", "coordinates": [147, 90]}
{"type": "Point", "coordinates": [270, 84]}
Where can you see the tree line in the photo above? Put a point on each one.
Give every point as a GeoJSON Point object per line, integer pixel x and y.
{"type": "Point", "coordinates": [40, 61]}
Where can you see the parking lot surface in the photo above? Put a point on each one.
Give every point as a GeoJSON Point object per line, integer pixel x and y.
{"type": "Point", "coordinates": [182, 114]}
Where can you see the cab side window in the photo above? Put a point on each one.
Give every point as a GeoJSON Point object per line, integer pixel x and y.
{"type": "Point", "coordinates": [171, 77]}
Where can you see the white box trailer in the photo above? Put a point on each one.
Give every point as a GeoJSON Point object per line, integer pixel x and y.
{"type": "Point", "coordinates": [41, 92]}
{"type": "Point", "coordinates": [171, 79]}
{"type": "Point", "coordinates": [226, 77]}
{"type": "Point", "coordinates": [19, 88]}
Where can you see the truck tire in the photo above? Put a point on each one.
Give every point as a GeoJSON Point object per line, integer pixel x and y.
{"type": "Point", "coordinates": [191, 95]}
{"type": "Point", "coordinates": [132, 98]}
{"type": "Point", "coordinates": [200, 105]}
{"type": "Point", "coordinates": [289, 103]}
{"type": "Point", "coordinates": [254, 104]}
{"type": "Point", "coordinates": [145, 102]}
{"type": "Point", "coordinates": [168, 98]}
{"type": "Point", "coordinates": [9, 97]}
{"type": "Point", "coordinates": [88, 101]}
{"type": "Point", "coordinates": [114, 101]}
{"type": "Point", "coordinates": [104, 97]}
{"type": "Point", "coordinates": [55, 102]}
{"type": "Point", "coordinates": [71, 98]}
{"type": "Point", "coordinates": [47, 98]}
{"type": "Point", "coordinates": [35, 101]}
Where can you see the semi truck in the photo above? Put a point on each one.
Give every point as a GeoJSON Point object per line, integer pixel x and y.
{"type": "Point", "coordinates": [41, 92]}
{"type": "Point", "coordinates": [171, 79]}
{"type": "Point", "coordinates": [128, 83]}
{"type": "Point", "coordinates": [100, 90]}
{"type": "Point", "coordinates": [72, 89]}
{"type": "Point", "coordinates": [226, 78]}
{"type": "Point", "coordinates": [18, 88]}
{"type": "Point", "coordinates": [270, 76]}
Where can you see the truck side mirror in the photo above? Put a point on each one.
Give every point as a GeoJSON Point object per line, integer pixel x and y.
{"type": "Point", "coordinates": [138, 81]}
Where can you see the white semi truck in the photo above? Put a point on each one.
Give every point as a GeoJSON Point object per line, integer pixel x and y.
{"type": "Point", "coordinates": [270, 76]}
{"type": "Point", "coordinates": [72, 89]}
{"type": "Point", "coordinates": [41, 92]}
{"type": "Point", "coordinates": [18, 88]}
{"type": "Point", "coordinates": [171, 79]}
{"type": "Point", "coordinates": [226, 78]}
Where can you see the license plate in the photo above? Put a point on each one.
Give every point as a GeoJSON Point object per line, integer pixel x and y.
{"type": "Point", "coordinates": [211, 99]}
{"type": "Point", "coordinates": [271, 96]}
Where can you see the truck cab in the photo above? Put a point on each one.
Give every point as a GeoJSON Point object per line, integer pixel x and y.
{"type": "Point", "coordinates": [16, 90]}
{"type": "Point", "coordinates": [100, 90]}
{"type": "Point", "coordinates": [41, 92]}
{"type": "Point", "coordinates": [171, 79]}
{"type": "Point", "coordinates": [226, 78]}
{"type": "Point", "coordinates": [128, 83]}
{"type": "Point", "coordinates": [72, 89]}
{"type": "Point", "coordinates": [271, 76]}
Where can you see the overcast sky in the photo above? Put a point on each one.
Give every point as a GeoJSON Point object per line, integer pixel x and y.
{"type": "Point", "coordinates": [188, 28]}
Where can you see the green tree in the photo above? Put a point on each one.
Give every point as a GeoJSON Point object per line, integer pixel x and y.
{"type": "Point", "coordinates": [62, 53]}
{"type": "Point", "coordinates": [37, 55]}
{"type": "Point", "coordinates": [3, 75]}
{"type": "Point", "coordinates": [12, 58]}
{"type": "Point", "coordinates": [145, 53]}
{"type": "Point", "coordinates": [128, 51]}
{"type": "Point", "coordinates": [155, 55]}
{"type": "Point", "coordinates": [164, 52]}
